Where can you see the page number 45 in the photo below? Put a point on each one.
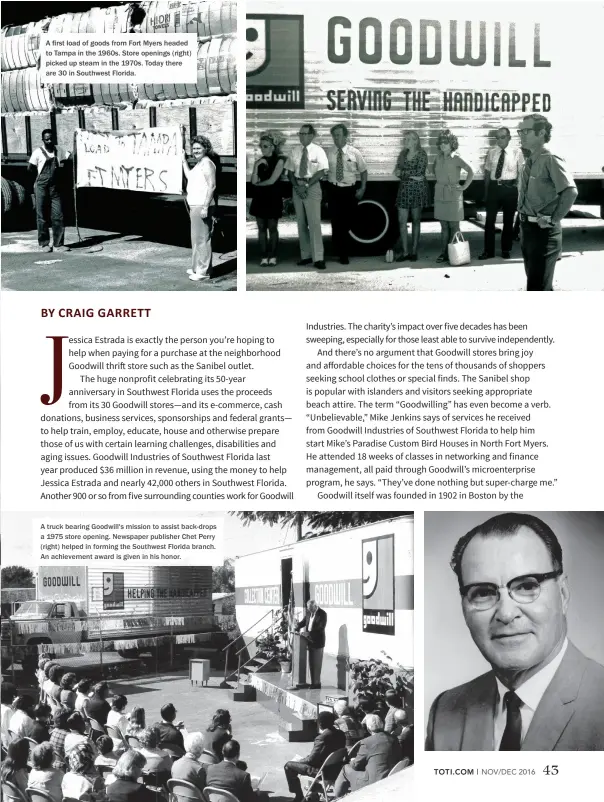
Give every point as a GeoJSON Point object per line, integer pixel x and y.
{"type": "Point", "coordinates": [550, 770]}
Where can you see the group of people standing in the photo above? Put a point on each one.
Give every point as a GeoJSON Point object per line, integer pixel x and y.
{"type": "Point", "coordinates": [529, 180]}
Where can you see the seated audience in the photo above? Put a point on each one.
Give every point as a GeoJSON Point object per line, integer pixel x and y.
{"type": "Point", "coordinates": [82, 780]}
{"type": "Point", "coordinates": [83, 689]}
{"type": "Point", "coordinates": [106, 756]}
{"type": "Point", "coordinates": [58, 735]}
{"type": "Point", "coordinates": [22, 721]}
{"type": "Point", "coordinates": [15, 769]}
{"type": "Point", "coordinates": [77, 732]}
{"type": "Point", "coordinates": [378, 753]}
{"type": "Point", "coordinates": [394, 702]}
{"type": "Point", "coordinates": [158, 762]}
{"type": "Point", "coordinates": [67, 696]}
{"type": "Point", "coordinates": [7, 696]}
{"type": "Point", "coordinates": [97, 706]}
{"type": "Point", "coordinates": [43, 776]}
{"type": "Point", "coordinates": [188, 768]}
{"type": "Point", "coordinates": [137, 721]}
{"type": "Point", "coordinates": [40, 731]}
{"type": "Point", "coordinates": [117, 717]}
{"type": "Point", "coordinates": [228, 776]}
{"type": "Point", "coordinates": [345, 721]}
{"type": "Point", "coordinates": [125, 787]}
{"type": "Point", "coordinates": [169, 733]}
{"type": "Point", "coordinates": [218, 733]}
{"type": "Point", "coordinates": [327, 741]}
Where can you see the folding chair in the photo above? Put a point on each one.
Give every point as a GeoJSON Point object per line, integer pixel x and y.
{"type": "Point", "coordinates": [96, 729]}
{"type": "Point", "coordinates": [10, 793]}
{"type": "Point", "coordinates": [12, 736]}
{"type": "Point", "coordinates": [183, 791]}
{"type": "Point", "coordinates": [402, 764]}
{"type": "Point", "coordinates": [37, 795]}
{"type": "Point", "coordinates": [104, 770]}
{"type": "Point", "coordinates": [212, 794]}
{"type": "Point", "coordinates": [116, 735]}
{"type": "Point", "coordinates": [207, 757]}
{"type": "Point", "coordinates": [354, 749]}
{"type": "Point", "coordinates": [133, 743]}
{"type": "Point", "coordinates": [323, 781]}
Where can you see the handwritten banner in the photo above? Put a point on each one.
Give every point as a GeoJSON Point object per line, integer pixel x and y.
{"type": "Point", "coordinates": [147, 160]}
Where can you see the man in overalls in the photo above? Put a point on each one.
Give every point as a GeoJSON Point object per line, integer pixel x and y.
{"type": "Point", "coordinates": [46, 161]}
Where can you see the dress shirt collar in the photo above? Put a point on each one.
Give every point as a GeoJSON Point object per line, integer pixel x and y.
{"type": "Point", "coordinates": [531, 691]}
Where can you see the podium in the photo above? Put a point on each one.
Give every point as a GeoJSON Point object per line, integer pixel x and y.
{"type": "Point", "coordinates": [299, 661]}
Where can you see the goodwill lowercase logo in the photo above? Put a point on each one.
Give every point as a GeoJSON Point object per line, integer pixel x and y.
{"type": "Point", "coordinates": [274, 61]}
{"type": "Point", "coordinates": [378, 584]}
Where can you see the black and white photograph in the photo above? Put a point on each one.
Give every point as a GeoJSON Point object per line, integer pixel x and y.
{"type": "Point", "coordinates": [513, 643]}
{"type": "Point", "coordinates": [286, 672]}
{"type": "Point", "coordinates": [443, 146]}
{"type": "Point", "coordinates": [119, 186]}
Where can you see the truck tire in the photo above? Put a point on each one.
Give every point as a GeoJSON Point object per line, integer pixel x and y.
{"type": "Point", "coordinates": [19, 192]}
{"type": "Point", "coordinates": [7, 196]}
{"type": "Point", "coordinates": [371, 223]}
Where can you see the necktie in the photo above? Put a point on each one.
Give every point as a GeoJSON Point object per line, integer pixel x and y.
{"type": "Point", "coordinates": [499, 168]}
{"type": "Point", "coordinates": [304, 163]}
{"type": "Point", "coordinates": [512, 734]}
{"type": "Point", "coordinates": [340, 166]}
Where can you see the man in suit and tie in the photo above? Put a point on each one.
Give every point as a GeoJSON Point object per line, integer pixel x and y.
{"type": "Point", "coordinates": [502, 170]}
{"type": "Point", "coordinates": [327, 741]}
{"type": "Point", "coordinates": [228, 776]}
{"type": "Point", "coordinates": [312, 628]}
{"type": "Point", "coordinates": [377, 755]}
{"type": "Point", "coordinates": [542, 693]}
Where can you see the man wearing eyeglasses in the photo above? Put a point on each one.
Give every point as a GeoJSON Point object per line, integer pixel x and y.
{"type": "Point", "coordinates": [502, 170]}
{"type": "Point", "coordinates": [542, 693]}
{"type": "Point", "coordinates": [546, 194]}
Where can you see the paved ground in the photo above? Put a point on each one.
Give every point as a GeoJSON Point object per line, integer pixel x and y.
{"type": "Point", "coordinates": [255, 728]}
{"type": "Point", "coordinates": [263, 749]}
{"type": "Point", "coordinates": [104, 260]}
{"type": "Point", "coordinates": [581, 266]}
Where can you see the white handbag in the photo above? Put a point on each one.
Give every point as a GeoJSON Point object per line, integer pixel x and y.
{"type": "Point", "coordinates": [459, 250]}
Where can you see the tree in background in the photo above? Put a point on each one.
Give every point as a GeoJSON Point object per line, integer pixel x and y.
{"type": "Point", "coordinates": [223, 578]}
{"type": "Point", "coordinates": [16, 576]}
{"type": "Point", "coordinates": [319, 523]}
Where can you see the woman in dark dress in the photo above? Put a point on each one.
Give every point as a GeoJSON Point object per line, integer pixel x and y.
{"type": "Point", "coordinates": [412, 192]}
{"type": "Point", "coordinates": [267, 203]}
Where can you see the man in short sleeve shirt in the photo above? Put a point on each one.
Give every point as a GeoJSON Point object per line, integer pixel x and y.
{"type": "Point", "coordinates": [546, 194]}
{"type": "Point", "coordinates": [345, 164]}
{"type": "Point", "coordinates": [306, 166]}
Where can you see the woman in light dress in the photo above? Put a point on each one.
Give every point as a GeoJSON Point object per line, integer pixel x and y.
{"type": "Point", "coordinates": [448, 192]}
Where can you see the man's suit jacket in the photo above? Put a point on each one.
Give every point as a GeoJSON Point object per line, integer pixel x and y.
{"type": "Point", "coordinates": [227, 776]}
{"type": "Point", "coordinates": [169, 735]}
{"type": "Point", "coordinates": [186, 768]}
{"type": "Point", "coordinates": [325, 743]}
{"type": "Point", "coordinates": [316, 636]}
{"type": "Point", "coordinates": [377, 755]}
{"type": "Point", "coordinates": [569, 717]}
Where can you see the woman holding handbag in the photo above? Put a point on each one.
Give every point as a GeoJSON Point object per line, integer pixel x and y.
{"type": "Point", "coordinates": [201, 184]}
{"type": "Point", "coordinates": [448, 192]}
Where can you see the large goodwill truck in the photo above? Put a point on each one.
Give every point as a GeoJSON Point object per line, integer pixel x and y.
{"type": "Point", "coordinates": [383, 68]}
{"type": "Point", "coordinates": [113, 609]}
{"type": "Point", "coordinates": [362, 577]}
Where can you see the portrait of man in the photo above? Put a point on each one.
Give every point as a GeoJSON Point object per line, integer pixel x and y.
{"type": "Point", "coordinates": [541, 691]}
